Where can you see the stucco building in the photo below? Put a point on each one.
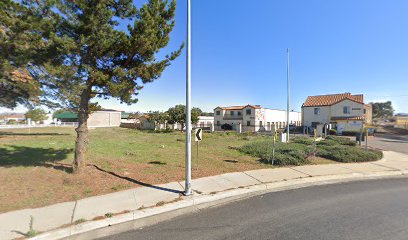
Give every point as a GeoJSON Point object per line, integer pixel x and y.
{"type": "Point", "coordinates": [401, 120]}
{"type": "Point", "coordinates": [252, 118]}
{"type": "Point", "coordinates": [345, 112]}
{"type": "Point", "coordinates": [101, 118]}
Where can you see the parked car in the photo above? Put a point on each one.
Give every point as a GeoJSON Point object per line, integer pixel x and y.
{"type": "Point", "coordinates": [226, 126]}
{"type": "Point", "coordinates": [292, 128]}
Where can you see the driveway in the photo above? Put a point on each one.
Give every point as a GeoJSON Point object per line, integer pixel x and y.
{"type": "Point", "coordinates": [390, 142]}
{"type": "Point", "coordinates": [373, 209]}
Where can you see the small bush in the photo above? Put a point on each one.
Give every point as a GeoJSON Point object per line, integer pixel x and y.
{"type": "Point", "coordinates": [31, 233]}
{"type": "Point", "coordinates": [334, 140]}
{"type": "Point", "coordinates": [303, 140]}
{"type": "Point", "coordinates": [168, 130]}
{"type": "Point", "coordinates": [247, 138]}
{"type": "Point", "coordinates": [333, 132]}
{"type": "Point", "coordinates": [79, 221]}
{"type": "Point", "coordinates": [109, 215]}
{"type": "Point", "coordinates": [349, 133]}
{"type": "Point", "coordinates": [342, 153]}
{"type": "Point", "coordinates": [335, 148]}
{"type": "Point", "coordinates": [285, 154]}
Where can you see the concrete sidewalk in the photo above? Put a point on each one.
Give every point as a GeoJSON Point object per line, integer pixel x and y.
{"type": "Point", "coordinates": [16, 223]}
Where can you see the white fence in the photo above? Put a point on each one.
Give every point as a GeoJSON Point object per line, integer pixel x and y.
{"type": "Point", "coordinates": [17, 125]}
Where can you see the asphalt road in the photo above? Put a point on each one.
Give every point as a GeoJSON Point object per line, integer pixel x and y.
{"type": "Point", "coordinates": [373, 209]}
{"type": "Point", "coordinates": [390, 142]}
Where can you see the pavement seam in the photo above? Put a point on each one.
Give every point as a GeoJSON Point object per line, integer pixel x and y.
{"type": "Point", "coordinates": [392, 168]}
{"type": "Point", "coordinates": [73, 216]}
{"type": "Point", "coordinates": [353, 170]}
{"type": "Point", "coordinates": [307, 174]}
{"type": "Point", "coordinates": [253, 178]}
{"type": "Point", "coordinates": [181, 185]}
{"type": "Point", "coordinates": [134, 195]}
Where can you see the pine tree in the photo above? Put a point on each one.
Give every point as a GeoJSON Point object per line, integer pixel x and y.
{"type": "Point", "coordinates": [86, 55]}
{"type": "Point", "coordinates": [20, 44]}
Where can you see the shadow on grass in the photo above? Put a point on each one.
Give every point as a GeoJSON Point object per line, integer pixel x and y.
{"type": "Point", "coordinates": [157, 163]}
{"type": "Point", "coordinates": [14, 156]}
{"type": "Point", "coordinates": [231, 161]}
{"type": "Point", "coordinates": [135, 181]}
{"type": "Point", "coordinates": [264, 161]}
{"type": "Point", "coordinates": [31, 134]}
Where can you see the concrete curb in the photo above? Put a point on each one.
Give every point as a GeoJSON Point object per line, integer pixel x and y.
{"type": "Point", "coordinates": [197, 202]}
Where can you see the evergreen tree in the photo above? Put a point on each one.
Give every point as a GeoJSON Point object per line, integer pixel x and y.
{"type": "Point", "coordinates": [84, 53]}
{"type": "Point", "coordinates": [20, 45]}
{"type": "Point", "coordinates": [382, 110]}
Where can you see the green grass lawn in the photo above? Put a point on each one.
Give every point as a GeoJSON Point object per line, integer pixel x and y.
{"type": "Point", "coordinates": [35, 164]}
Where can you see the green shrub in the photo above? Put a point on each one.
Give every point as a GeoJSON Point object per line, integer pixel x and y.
{"type": "Point", "coordinates": [349, 133]}
{"type": "Point", "coordinates": [342, 153]}
{"type": "Point", "coordinates": [285, 154]}
{"type": "Point", "coordinates": [333, 132]}
{"type": "Point", "coordinates": [334, 140]}
{"type": "Point", "coordinates": [168, 130]}
{"type": "Point", "coordinates": [303, 140]}
{"type": "Point", "coordinates": [335, 148]}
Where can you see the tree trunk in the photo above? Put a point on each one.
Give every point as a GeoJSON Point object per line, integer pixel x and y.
{"type": "Point", "coordinates": [81, 143]}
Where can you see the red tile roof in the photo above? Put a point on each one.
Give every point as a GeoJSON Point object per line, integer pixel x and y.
{"type": "Point", "coordinates": [15, 115]}
{"type": "Point", "coordinates": [239, 107]}
{"type": "Point", "coordinates": [331, 99]}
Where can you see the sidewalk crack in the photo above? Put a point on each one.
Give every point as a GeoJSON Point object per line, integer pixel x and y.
{"type": "Point", "coordinates": [392, 168]}
{"type": "Point", "coordinates": [309, 175]}
{"type": "Point", "coordinates": [73, 211]}
{"type": "Point", "coordinates": [354, 171]}
{"type": "Point", "coordinates": [253, 177]}
{"type": "Point", "coordinates": [72, 217]}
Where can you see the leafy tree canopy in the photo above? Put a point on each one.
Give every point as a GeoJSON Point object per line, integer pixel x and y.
{"type": "Point", "coordinates": [158, 117]}
{"type": "Point", "coordinates": [177, 114]}
{"type": "Point", "coordinates": [382, 110]}
{"type": "Point", "coordinates": [36, 115]}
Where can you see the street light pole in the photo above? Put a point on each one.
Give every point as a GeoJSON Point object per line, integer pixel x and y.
{"type": "Point", "coordinates": [188, 103]}
{"type": "Point", "coordinates": [288, 101]}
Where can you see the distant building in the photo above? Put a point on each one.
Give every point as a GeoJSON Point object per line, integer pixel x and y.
{"type": "Point", "coordinates": [345, 112]}
{"type": "Point", "coordinates": [401, 120]}
{"type": "Point", "coordinates": [17, 117]}
{"type": "Point", "coordinates": [204, 122]}
{"type": "Point", "coordinates": [101, 118]}
{"type": "Point", "coordinates": [253, 118]}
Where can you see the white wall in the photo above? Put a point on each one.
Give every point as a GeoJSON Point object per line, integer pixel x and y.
{"type": "Point", "coordinates": [309, 116]}
{"type": "Point", "coordinates": [337, 109]}
{"type": "Point", "coordinates": [327, 112]}
{"type": "Point", "coordinates": [104, 119]}
{"type": "Point", "coordinates": [268, 117]}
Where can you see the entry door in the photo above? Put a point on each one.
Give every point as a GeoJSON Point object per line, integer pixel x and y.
{"type": "Point", "coordinates": [340, 128]}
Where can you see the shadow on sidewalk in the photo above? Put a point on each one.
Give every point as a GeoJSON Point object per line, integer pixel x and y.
{"type": "Point", "coordinates": [136, 181]}
{"type": "Point", "coordinates": [25, 235]}
{"type": "Point", "coordinates": [394, 141]}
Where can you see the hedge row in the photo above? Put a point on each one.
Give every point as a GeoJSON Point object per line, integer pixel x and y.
{"type": "Point", "coordinates": [295, 153]}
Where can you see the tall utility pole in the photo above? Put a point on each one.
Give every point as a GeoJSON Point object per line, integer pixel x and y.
{"type": "Point", "coordinates": [188, 103]}
{"type": "Point", "coordinates": [288, 106]}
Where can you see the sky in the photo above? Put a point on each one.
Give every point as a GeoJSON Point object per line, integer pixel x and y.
{"type": "Point", "coordinates": [239, 53]}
